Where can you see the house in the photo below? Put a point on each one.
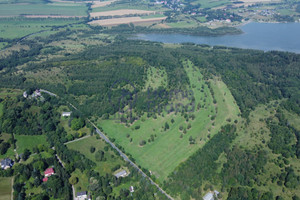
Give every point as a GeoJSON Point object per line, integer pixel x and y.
{"type": "Point", "coordinates": [49, 172]}
{"type": "Point", "coordinates": [81, 195]}
{"type": "Point", "coordinates": [25, 95]}
{"type": "Point", "coordinates": [66, 114]}
{"type": "Point", "coordinates": [7, 163]}
{"type": "Point", "coordinates": [210, 195]}
{"type": "Point", "coordinates": [131, 189]}
{"type": "Point", "coordinates": [122, 173]}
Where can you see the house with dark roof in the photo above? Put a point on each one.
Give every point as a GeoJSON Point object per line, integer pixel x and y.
{"type": "Point", "coordinates": [7, 163]}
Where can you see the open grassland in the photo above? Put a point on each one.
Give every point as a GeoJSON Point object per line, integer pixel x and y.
{"type": "Point", "coordinates": [13, 10]}
{"type": "Point", "coordinates": [125, 20]}
{"type": "Point", "coordinates": [162, 154]}
{"type": "Point", "coordinates": [29, 141]}
{"type": "Point", "coordinates": [293, 119]}
{"type": "Point", "coordinates": [5, 188]}
{"type": "Point", "coordinates": [156, 78]}
{"type": "Point", "coordinates": [19, 27]}
{"type": "Point", "coordinates": [84, 145]}
{"type": "Point", "coordinates": [120, 12]}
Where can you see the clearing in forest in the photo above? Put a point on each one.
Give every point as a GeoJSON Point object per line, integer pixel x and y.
{"type": "Point", "coordinates": [5, 188]}
{"type": "Point", "coordinates": [161, 143]}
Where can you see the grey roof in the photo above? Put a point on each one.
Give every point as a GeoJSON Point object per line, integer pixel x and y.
{"type": "Point", "coordinates": [208, 196]}
{"type": "Point", "coordinates": [7, 162]}
{"type": "Point", "coordinates": [121, 173]}
{"type": "Point", "coordinates": [81, 193]}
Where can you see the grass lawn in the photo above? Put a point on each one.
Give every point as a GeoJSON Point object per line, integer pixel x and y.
{"type": "Point", "coordinates": [9, 92]}
{"type": "Point", "coordinates": [84, 145]}
{"type": "Point", "coordinates": [168, 149]}
{"type": "Point", "coordinates": [138, 6]}
{"type": "Point", "coordinates": [5, 188]}
{"type": "Point", "coordinates": [10, 152]}
{"type": "Point", "coordinates": [29, 141]}
{"type": "Point", "coordinates": [83, 181]}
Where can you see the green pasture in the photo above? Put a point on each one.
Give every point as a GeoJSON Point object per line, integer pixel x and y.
{"type": "Point", "coordinates": [172, 146]}
{"type": "Point", "coordinates": [119, 6]}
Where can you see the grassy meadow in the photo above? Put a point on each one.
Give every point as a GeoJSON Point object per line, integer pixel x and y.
{"type": "Point", "coordinates": [84, 145]}
{"type": "Point", "coordinates": [172, 146]}
{"type": "Point", "coordinates": [29, 141]}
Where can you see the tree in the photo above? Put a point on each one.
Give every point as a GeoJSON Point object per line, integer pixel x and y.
{"type": "Point", "coordinates": [92, 149]}
{"type": "Point", "coordinates": [77, 123]}
{"type": "Point", "coordinates": [73, 180]}
{"type": "Point", "coordinates": [142, 142]}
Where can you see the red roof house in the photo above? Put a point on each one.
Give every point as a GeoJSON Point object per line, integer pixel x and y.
{"type": "Point", "coordinates": [45, 179]}
{"type": "Point", "coordinates": [49, 172]}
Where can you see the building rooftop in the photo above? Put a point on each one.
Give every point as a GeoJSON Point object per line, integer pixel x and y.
{"type": "Point", "coordinates": [122, 173]}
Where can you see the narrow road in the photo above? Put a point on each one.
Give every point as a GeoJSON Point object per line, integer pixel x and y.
{"type": "Point", "coordinates": [116, 148]}
{"type": "Point", "coordinates": [77, 139]}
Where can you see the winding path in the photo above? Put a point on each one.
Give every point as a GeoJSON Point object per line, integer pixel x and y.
{"type": "Point", "coordinates": [117, 149]}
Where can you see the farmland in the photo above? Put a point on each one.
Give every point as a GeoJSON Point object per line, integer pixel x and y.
{"type": "Point", "coordinates": [126, 20]}
{"type": "Point", "coordinates": [11, 28]}
{"type": "Point", "coordinates": [14, 10]}
{"type": "Point", "coordinates": [155, 155]}
{"type": "Point", "coordinates": [120, 12]}
{"type": "Point", "coordinates": [5, 188]}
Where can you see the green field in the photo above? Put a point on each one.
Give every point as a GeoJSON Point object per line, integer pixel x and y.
{"type": "Point", "coordinates": [12, 10]}
{"type": "Point", "coordinates": [84, 145]}
{"type": "Point", "coordinates": [211, 3]}
{"type": "Point", "coordinates": [168, 149]}
{"type": "Point", "coordinates": [5, 188]}
{"type": "Point", "coordinates": [29, 141]}
{"type": "Point", "coordinates": [18, 27]}
{"type": "Point", "coordinates": [10, 152]}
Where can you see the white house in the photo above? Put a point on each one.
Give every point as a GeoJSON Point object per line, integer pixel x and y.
{"type": "Point", "coordinates": [122, 173]}
{"type": "Point", "coordinates": [81, 195]}
{"type": "Point", "coordinates": [66, 114]}
{"type": "Point", "coordinates": [6, 163]}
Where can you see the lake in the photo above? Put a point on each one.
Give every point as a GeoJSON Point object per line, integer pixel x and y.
{"type": "Point", "coordinates": [263, 36]}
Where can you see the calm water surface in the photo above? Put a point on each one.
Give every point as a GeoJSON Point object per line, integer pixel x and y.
{"type": "Point", "coordinates": [263, 36]}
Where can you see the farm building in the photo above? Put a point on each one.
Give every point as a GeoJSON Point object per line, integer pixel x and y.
{"type": "Point", "coordinates": [131, 189]}
{"type": "Point", "coordinates": [6, 163]}
{"type": "Point", "coordinates": [209, 196]}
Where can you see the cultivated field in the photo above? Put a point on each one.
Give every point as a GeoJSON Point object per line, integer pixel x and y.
{"type": "Point", "coordinates": [5, 188]}
{"type": "Point", "coordinates": [13, 10]}
{"type": "Point", "coordinates": [125, 20]}
{"type": "Point", "coordinates": [97, 4]}
{"type": "Point", "coordinates": [120, 12]}
{"type": "Point", "coordinates": [167, 148]}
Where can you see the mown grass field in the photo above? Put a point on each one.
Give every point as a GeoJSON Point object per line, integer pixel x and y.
{"type": "Point", "coordinates": [29, 141]}
{"type": "Point", "coordinates": [19, 27]}
{"type": "Point", "coordinates": [168, 149]}
{"type": "Point", "coordinates": [119, 6]}
{"type": "Point", "coordinates": [10, 152]}
{"type": "Point", "coordinates": [5, 188]}
{"type": "Point", "coordinates": [84, 145]}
